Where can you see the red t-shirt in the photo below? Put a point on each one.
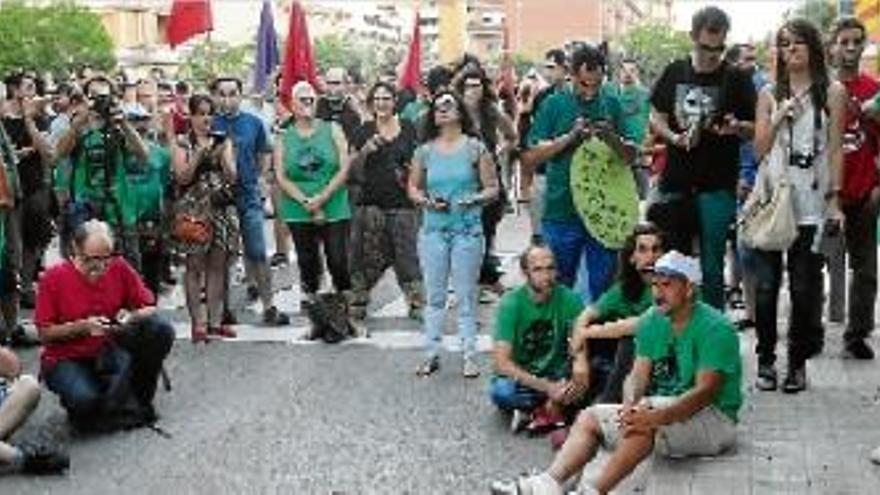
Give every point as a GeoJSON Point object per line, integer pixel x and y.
{"type": "Point", "coordinates": [65, 295]}
{"type": "Point", "coordinates": [860, 141]}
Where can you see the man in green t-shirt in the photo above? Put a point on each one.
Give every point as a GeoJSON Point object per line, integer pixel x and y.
{"type": "Point", "coordinates": [531, 345]}
{"type": "Point", "coordinates": [682, 396]}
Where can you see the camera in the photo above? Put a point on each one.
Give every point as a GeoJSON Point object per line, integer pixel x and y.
{"type": "Point", "coordinates": [104, 105]}
{"type": "Point", "coordinates": [801, 160]}
{"type": "Point", "coordinates": [217, 138]}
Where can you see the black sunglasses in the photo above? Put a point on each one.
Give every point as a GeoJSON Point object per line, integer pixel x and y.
{"type": "Point", "coordinates": [711, 49]}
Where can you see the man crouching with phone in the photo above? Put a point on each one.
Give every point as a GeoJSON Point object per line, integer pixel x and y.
{"type": "Point", "coordinates": [103, 342]}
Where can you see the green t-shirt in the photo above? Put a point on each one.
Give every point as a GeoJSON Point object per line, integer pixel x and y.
{"type": "Point", "coordinates": [636, 106]}
{"type": "Point", "coordinates": [538, 333]}
{"type": "Point", "coordinates": [612, 305]}
{"type": "Point", "coordinates": [414, 110]}
{"type": "Point", "coordinates": [149, 182]}
{"type": "Point", "coordinates": [556, 116]}
{"type": "Point", "coordinates": [311, 163]}
{"type": "Point", "coordinates": [708, 342]}
{"type": "Point", "coordinates": [89, 183]}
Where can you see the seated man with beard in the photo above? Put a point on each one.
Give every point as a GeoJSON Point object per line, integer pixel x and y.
{"type": "Point", "coordinates": [103, 342]}
{"type": "Point", "coordinates": [531, 346]}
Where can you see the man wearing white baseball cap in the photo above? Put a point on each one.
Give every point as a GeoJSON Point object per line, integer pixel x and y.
{"type": "Point", "coordinates": [681, 397]}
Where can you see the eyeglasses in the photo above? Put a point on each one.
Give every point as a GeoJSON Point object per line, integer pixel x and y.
{"type": "Point", "coordinates": [98, 259]}
{"type": "Point", "coordinates": [783, 44]}
{"type": "Point", "coordinates": [711, 49]}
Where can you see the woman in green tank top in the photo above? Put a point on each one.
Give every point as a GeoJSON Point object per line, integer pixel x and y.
{"type": "Point", "coordinates": [311, 167]}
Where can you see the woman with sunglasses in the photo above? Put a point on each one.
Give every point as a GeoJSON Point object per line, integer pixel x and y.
{"type": "Point", "coordinates": [490, 124]}
{"type": "Point", "coordinates": [311, 167]}
{"type": "Point", "coordinates": [204, 173]}
{"type": "Point", "coordinates": [385, 224]}
{"type": "Point", "coordinates": [452, 177]}
{"type": "Point", "coordinates": [798, 130]}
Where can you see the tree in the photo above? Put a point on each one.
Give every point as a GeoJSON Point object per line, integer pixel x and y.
{"type": "Point", "coordinates": [210, 59]}
{"type": "Point", "coordinates": [821, 12]}
{"type": "Point", "coordinates": [653, 46]}
{"type": "Point", "coordinates": [363, 57]}
{"type": "Point", "coordinates": [56, 38]}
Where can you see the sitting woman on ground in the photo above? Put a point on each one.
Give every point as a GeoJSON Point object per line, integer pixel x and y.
{"type": "Point", "coordinates": [386, 223]}
{"type": "Point", "coordinates": [311, 166]}
{"type": "Point", "coordinates": [602, 343]}
{"type": "Point", "coordinates": [452, 177]}
{"type": "Point", "coordinates": [205, 225]}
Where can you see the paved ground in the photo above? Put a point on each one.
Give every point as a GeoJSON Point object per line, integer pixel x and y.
{"type": "Point", "coordinates": [272, 414]}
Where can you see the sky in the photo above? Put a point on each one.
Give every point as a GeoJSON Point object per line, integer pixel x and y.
{"type": "Point", "coordinates": [750, 20]}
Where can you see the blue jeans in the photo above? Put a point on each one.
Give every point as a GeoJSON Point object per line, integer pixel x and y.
{"type": "Point", "coordinates": [508, 395]}
{"type": "Point", "coordinates": [251, 219]}
{"type": "Point", "coordinates": [127, 369]}
{"type": "Point", "coordinates": [455, 254]}
{"type": "Point", "coordinates": [571, 242]}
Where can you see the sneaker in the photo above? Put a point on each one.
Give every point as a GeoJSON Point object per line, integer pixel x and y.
{"type": "Point", "coordinates": [252, 293]}
{"type": "Point", "coordinates": [42, 459]}
{"type": "Point", "coordinates": [275, 318]}
{"type": "Point", "coordinates": [223, 331]}
{"type": "Point", "coordinates": [428, 367]}
{"type": "Point", "coordinates": [526, 485]}
{"type": "Point", "coordinates": [858, 349]}
{"type": "Point", "coordinates": [544, 421]}
{"type": "Point", "coordinates": [470, 368]}
{"type": "Point", "coordinates": [767, 379]}
{"type": "Point", "coordinates": [518, 420]}
{"type": "Point", "coordinates": [796, 381]}
{"type": "Point", "coordinates": [279, 259]}
{"type": "Point", "coordinates": [875, 456]}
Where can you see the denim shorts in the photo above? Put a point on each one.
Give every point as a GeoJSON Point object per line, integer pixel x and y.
{"type": "Point", "coordinates": [252, 220]}
{"type": "Point", "coordinates": [4, 391]}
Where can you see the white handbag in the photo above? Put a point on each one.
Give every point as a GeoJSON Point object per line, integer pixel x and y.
{"type": "Point", "coordinates": [767, 221]}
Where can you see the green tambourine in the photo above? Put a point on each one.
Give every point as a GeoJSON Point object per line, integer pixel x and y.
{"type": "Point", "coordinates": [604, 193]}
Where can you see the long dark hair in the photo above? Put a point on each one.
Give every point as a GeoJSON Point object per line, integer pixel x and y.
{"type": "Point", "coordinates": [807, 31]}
{"type": "Point", "coordinates": [630, 279]}
{"type": "Point", "coordinates": [432, 130]}
{"type": "Point", "coordinates": [488, 111]}
{"type": "Point", "coordinates": [381, 85]}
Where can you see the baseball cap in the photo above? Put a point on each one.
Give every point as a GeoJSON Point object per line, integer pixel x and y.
{"type": "Point", "coordinates": [675, 264]}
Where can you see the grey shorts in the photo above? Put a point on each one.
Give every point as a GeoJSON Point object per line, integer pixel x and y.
{"type": "Point", "coordinates": [709, 432]}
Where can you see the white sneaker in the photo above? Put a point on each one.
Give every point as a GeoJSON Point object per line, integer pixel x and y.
{"type": "Point", "coordinates": [875, 456]}
{"type": "Point", "coordinates": [518, 420]}
{"type": "Point", "coordinates": [540, 484]}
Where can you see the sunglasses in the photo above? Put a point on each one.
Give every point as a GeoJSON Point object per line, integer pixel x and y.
{"type": "Point", "coordinates": [445, 103]}
{"type": "Point", "coordinates": [98, 259]}
{"type": "Point", "coordinates": [711, 49]}
{"type": "Point", "coordinates": [306, 100]}
{"type": "Point", "coordinates": [333, 83]}
{"type": "Point", "coordinates": [473, 85]}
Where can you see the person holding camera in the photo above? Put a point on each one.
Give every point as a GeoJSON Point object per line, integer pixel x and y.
{"type": "Point", "coordinates": [385, 224]}
{"type": "Point", "coordinates": [100, 142]}
{"type": "Point", "coordinates": [799, 124]}
{"type": "Point", "coordinates": [204, 221]}
{"type": "Point", "coordinates": [451, 178]}
{"type": "Point", "coordinates": [104, 344]}
{"type": "Point", "coordinates": [311, 167]}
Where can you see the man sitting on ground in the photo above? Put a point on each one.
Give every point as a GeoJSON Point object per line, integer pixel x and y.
{"type": "Point", "coordinates": [19, 396]}
{"type": "Point", "coordinates": [681, 397]}
{"type": "Point", "coordinates": [103, 342]}
{"type": "Point", "coordinates": [531, 346]}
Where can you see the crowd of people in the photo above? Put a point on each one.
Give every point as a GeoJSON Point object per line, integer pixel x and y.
{"type": "Point", "coordinates": [623, 344]}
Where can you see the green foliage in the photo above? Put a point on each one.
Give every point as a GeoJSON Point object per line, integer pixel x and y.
{"type": "Point", "coordinates": [335, 50]}
{"type": "Point", "coordinates": [57, 38]}
{"type": "Point", "coordinates": [210, 59]}
{"type": "Point", "coordinates": [522, 63]}
{"type": "Point", "coordinates": [821, 12]}
{"type": "Point", "coordinates": [653, 46]}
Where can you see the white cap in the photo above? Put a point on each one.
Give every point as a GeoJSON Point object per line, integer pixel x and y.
{"type": "Point", "coordinates": [675, 264]}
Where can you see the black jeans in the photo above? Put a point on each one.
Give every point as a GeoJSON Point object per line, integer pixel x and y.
{"type": "Point", "coordinates": [861, 231]}
{"type": "Point", "coordinates": [805, 331]}
{"type": "Point", "coordinates": [307, 241]}
{"type": "Point", "coordinates": [89, 389]}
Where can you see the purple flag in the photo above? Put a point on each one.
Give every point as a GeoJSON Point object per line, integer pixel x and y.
{"type": "Point", "coordinates": [267, 49]}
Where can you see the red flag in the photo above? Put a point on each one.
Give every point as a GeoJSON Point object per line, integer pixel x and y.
{"type": "Point", "coordinates": [299, 61]}
{"type": "Point", "coordinates": [188, 18]}
{"type": "Point", "coordinates": [411, 75]}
